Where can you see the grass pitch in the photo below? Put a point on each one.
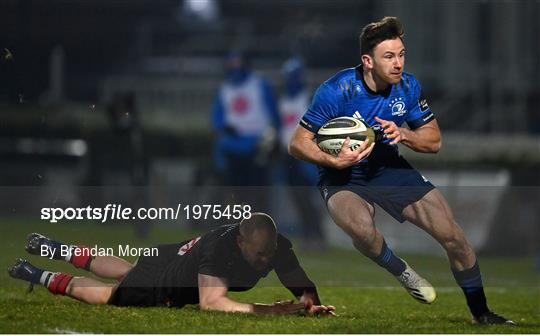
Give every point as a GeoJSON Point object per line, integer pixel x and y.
{"type": "Point", "coordinates": [368, 299]}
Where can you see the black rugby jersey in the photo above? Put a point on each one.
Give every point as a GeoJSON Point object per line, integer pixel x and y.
{"type": "Point", "coordinates": [216, 253]}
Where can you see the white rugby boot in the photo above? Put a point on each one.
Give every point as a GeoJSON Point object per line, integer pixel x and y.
{"type": "Point", "coordinates": [419, 288]}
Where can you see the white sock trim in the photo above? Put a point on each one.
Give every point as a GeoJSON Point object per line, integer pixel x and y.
{"type": "Point", "coordinates": [68, 255]}
{"type": "Point", "coordinates": [46, 278]}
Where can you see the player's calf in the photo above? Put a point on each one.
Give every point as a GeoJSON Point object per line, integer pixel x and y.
{"type": "Point", "coordinates": [460, 253]}
{"type": "Point", "coordinates": [78, 255]}
{"type": "Point", "coordinates": [90, 291]}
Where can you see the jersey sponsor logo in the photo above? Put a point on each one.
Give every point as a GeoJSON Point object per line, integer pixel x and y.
{"type": "Point", "coordinates": [428, 117]}
{"type": "Point", "coordinates": [187, 247]}
{"type": "Point", "coordinates": [422, 102]}
{"type": "Point", "coordinates": [398, 107]}
{"type": "Point", "coordinates": [357, 115]}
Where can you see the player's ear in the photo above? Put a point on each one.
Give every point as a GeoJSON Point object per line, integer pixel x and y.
{"type": "Point", "coordinates": [240, 240]}
{"type": "Point", "coordinates": [367, 61]}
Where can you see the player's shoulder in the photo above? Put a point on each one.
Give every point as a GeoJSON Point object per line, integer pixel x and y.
{"type": "Point", "coordinates": [334, 87]}
{"type": "Point", "coordinates": [409, 82]}
{"type": "Point", "coordinates": [340, 78]}
{"type": "Point", "coordinates": [221, 235]}
{"type": "Point", "coordinates": [283, 242]}
{"type": "Point", "coordinates": [218, 243]}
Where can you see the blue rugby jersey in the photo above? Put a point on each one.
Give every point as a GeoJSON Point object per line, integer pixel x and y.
{"type": "Point", "coordinates": [347, 95]}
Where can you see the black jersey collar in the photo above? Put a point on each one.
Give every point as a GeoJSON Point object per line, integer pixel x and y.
{"type": "Point", "coordinates": [359, 72]}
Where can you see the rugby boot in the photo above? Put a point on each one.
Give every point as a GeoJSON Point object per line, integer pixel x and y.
{"type": "Point", "coordinates": [38, 244]}
{"type": "Point", "coordinates": [489, 318]}
{"type": "Point", "coordinates": [419, 288]}
{"type": "Point", "coordinates": [25, 271]}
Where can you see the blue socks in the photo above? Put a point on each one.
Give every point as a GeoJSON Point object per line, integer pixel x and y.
{"type": "Point", "coordinates": [388, 260]}
{"type": "Point", "coordinates": [470, 281]}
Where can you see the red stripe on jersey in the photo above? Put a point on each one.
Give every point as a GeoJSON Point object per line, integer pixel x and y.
{"type": "Point", "coordinates": [187, 247]}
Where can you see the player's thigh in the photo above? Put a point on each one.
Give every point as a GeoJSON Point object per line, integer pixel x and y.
{"type": "Point", "coordinates": [110, 267]}
{"type": "Point", "coordinates": [433, 214]}
{"type": "Point", "coordinates": [351, 213]}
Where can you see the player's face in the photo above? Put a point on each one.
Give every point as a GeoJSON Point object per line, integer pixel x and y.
{"type": "Point", "coordinates": [388, 60]}
{"type": "Point", "coordinates": [258, 250]}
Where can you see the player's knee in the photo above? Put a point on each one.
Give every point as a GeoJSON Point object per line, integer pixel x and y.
{"type": "Point", "coordinates": [104, 296]}
{"type": "Point", "coordinates": [456, 244]}
{"type": "Point", "coordinates": [123, 274]}
{"type": "Point", "coordinates": [364, 235]}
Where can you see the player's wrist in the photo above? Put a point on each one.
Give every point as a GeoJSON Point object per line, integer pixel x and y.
{"type": "Point", "coordinates": [329, 160]}
{"type": "Point", "coordinates": [404, 133]}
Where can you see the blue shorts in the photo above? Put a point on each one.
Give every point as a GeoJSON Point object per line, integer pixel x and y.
{"type": "Point", "coordinates": [392, 187]}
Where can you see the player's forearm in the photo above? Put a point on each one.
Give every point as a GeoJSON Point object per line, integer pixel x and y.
{"type": "Point", "coordinates": [305, 149]}
{"type": "Point", "coordinates": [227, 305]}
{"type": "Point", "coordinates": [423, 140]}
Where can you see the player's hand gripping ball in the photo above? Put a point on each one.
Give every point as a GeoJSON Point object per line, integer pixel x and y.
{"type": "Point", "coordinates": [331, 135]}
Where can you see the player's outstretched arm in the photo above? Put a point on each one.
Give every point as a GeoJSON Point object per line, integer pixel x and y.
{"type": "Point", "coordinates": [303, 147]}
{"type": "Point", "coordinates": [213, 296]}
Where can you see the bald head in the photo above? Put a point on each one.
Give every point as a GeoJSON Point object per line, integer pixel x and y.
{"type": "Point", "coordinates": [258, 224]}
{"type": "Point", "coordinates": [257, 240]}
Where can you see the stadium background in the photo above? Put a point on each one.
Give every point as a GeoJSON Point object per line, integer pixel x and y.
{"type": "Point", "coordinates": [74, 72]}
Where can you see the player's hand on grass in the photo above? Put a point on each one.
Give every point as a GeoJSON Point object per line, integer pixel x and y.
{"type": "Point", "coordinates": [391, 130]}
{"type": "Point", "coordinates": [347, 157]}
{"type": "Point", "coordinates": [321, 310]}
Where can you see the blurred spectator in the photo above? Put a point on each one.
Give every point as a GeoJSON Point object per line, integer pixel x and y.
{"type": "Point", "coordinates": [293, 104]}
{"type": "Point", "coordinates": [246, 121]}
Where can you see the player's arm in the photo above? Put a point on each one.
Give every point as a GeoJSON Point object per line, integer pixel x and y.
{"type": "Point", "coordinates": [295, 279]}
{"type": "Point", "coordinates": [303, 147]}
{"type": "Point", "coordinates": [424, 139]}
{"type": "Point", "coordinates": [298, 283]}
{"type": "Point", "coordinates": [213, 296]}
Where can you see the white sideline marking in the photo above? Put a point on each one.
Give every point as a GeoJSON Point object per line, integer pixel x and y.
{"type": "Point", "coordinates": [446, 289]}
{"type": "Point", "coordinates": [68, 331]}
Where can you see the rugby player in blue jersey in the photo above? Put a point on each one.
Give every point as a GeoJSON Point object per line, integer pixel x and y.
{"type": "Point", "coordinates": [382, 94]}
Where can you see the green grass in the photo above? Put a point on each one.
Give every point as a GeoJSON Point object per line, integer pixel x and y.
{"type": "Point", "coordinates": [367, 298]}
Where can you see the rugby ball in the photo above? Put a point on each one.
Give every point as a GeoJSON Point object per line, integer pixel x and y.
{"type": "Point", "coordinates": [331, 135]}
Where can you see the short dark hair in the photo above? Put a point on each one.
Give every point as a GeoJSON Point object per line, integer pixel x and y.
{"type": "Point", "coordinates": [388, 28]}
{"type": "Point", "coordinates": [257, 222]}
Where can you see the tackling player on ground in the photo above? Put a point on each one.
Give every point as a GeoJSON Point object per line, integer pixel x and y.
{"type": "Point", "coordinates": [200, 271]}
{"type": "Point", "coordinates": [380, 93]}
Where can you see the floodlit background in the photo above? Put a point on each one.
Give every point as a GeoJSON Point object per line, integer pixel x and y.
{"type": "Point", "coordinates": [110, 101]}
